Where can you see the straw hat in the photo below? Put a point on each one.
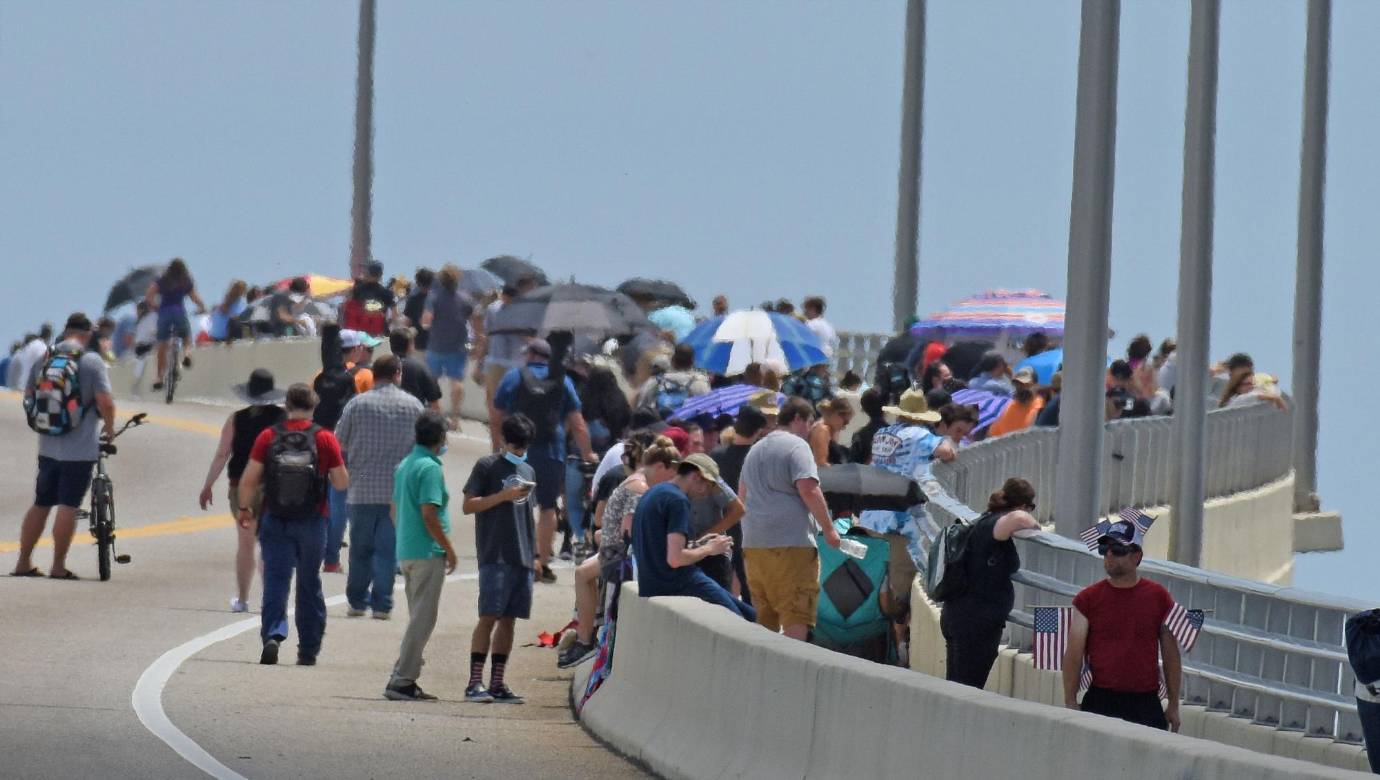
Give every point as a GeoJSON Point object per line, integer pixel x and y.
{"type": "Point", "coordinates": [764, 402]}
{"type": "Point", "coordinates": [912, 407]}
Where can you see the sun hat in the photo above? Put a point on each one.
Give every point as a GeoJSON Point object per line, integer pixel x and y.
{"type": "Point", "coordinates": [1025, 376]}
{"type": "Point", "coordinates": [259, 389]}
{"type": "Point", "coordinates": [912, 406]}
{"type": "Point", "coordinates": [707, 468]}
{"type": "Point", "coordinates": [764, 402]}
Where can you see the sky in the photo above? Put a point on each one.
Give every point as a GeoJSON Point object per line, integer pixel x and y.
{"type": "Point", "coordinates": [743, 148]}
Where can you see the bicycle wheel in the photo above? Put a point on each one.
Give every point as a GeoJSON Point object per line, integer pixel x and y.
{"type": "Point", "coordinates": [105, 536]}
{"type": "Point", "coordinates": [174, 362]}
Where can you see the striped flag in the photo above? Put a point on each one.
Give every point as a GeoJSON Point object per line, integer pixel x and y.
{"type": "Point", "coordinates": [1185, 624]}
{"type": "Point", "coordinates": [1139, 519]}
{"type": "Point", "coordinates": [1051, 637]}
{"type": "Point", "coordinates": [1093, 533]}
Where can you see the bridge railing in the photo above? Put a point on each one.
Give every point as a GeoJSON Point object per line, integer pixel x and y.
{"type": "Point", "coordinates": [1271, 654]}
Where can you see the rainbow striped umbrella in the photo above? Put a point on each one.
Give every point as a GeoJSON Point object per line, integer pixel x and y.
{"type": "Point", "coordinates": [1018, 312]}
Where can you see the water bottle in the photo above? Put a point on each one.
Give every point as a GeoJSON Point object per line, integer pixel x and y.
{"type": "Point", "coordinates": [853, 548]}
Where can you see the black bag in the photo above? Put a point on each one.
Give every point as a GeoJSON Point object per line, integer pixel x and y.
{"type": "Point", "coordinates": [540, 400]}
{"type": "Point", "coordinates": [892, 379]}
{"type": "Point", "coordinates": [1363, 648]}
{"type": "Point", "coordinates": [293, 484]}
{"type": "Point", "coordinates": [946, 572]}
{"type": "Point", "coordinates": [334, 388]}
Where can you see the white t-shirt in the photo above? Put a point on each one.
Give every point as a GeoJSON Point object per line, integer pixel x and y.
{"type": "Point", "coordinates": [146, 330]}
{"type": "Point", "coordinates": [23, 363]}
{"type": "Point", "coordinates": [828, 337]}
{"type": "Point", "coordinates": [611, 458]}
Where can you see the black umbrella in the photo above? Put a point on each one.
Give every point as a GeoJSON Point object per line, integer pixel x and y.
{"type": "Point", "coordinates": [132, 286]}
{"type": "Point", "coordinates": [582, 309]}
{"type": "Point", "coordinates": [852, 487]}
{"type": "Point", "coordinates": [657, 290]}
{"type": "Point", "coordinates": [514, 269]}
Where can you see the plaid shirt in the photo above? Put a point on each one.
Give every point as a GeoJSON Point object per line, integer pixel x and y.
{"type": "Point", "coordinates": [376, 431]}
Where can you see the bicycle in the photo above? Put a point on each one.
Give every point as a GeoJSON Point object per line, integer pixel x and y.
{"type": "Point", "coordinates": [102, 512]}
{"type": "Point", "coordinates": [173, 369]}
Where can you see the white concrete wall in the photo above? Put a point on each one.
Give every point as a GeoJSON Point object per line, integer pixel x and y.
{"type": "Point", "coordinates": [1015, 675]}
{"type": "Point", "coordinates": [696, 692]}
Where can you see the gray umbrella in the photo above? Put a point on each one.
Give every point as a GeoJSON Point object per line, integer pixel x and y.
{"type": "Point", "coordinates": [853, 487]}
{"type": "Point", "coordinates": [657, 290]}
{"type": "Point", "coordinates": [132, 286]}
{"type": "Point", "coordinates": [514, 269]}
{"type": "Point", "coordinates": [585, 310]}
{"type": "Point", "coordinates": [479, 282]}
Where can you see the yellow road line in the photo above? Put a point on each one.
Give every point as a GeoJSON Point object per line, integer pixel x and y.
{"type": "Point", "coordinates": [183, 525]}
{"type": "Point", "coordinates": [183, 424]}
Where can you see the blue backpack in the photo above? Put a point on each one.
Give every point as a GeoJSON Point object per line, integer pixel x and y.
{"type": "Point", "coordinates": [671, 394]}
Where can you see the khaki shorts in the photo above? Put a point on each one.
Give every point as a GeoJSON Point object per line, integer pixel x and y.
{"type": "Point", "coordinates": [258, 507]}
{"type": "Point", "coordinates": [785, 585]}
{"type": "Point", "coordinates": [492, 376]}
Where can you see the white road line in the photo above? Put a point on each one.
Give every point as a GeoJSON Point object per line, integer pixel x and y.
{"type": "Point", "coordinates": [147, 699]}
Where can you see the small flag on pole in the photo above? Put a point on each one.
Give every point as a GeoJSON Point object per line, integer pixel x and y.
{"type": "Point", "coordinates": [1093, 533]}
{"type": "Point", "coordinates": [1185, 624]}
{"type": "Point", "coordinates": [1139, 519]}
{"type": "Point", "coordinates": [1051, 637]}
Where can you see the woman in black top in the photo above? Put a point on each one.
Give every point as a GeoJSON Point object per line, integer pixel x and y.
{"type": "Point", "coordinates": [972, 622]}
{"type": "Point", "coordinates": [236, 440]}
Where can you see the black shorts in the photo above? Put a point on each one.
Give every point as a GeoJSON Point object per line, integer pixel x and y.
{"type": "Point", "coordinates": [1142, 708]}
{"type": "Point", "coordinates": [62, 482]}
{"type": "Point", "coordinates": [550, 480]}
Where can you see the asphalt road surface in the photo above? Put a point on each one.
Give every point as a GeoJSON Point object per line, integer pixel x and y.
{"type": "Point", "coordinates": [73, 653]}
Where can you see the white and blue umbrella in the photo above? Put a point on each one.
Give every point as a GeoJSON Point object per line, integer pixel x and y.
{"type": "Point", "coordinates": [727, 344]}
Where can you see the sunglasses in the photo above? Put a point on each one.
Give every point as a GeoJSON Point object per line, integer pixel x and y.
{"type": "Point", "coordinates": [1117, 550]}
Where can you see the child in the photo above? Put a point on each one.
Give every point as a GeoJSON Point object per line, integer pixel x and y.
{"type": "Point", "coordinates": [497, 495]}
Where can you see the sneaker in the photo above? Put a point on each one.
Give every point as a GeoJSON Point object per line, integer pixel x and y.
{"type": "Point", "coordinates": [238, 605]}
{"type": "Point", "coordinates": [157, 386]}
{"type": "Point", "coordinates": [478, 693]}
{"type": "Point", "coordinates": [269, 656]}
{"type": "Point", "coordinates": [567, 550]}
{"type": "Point", "coordinates": [382, 615]}
{"type": "Point", "coordinates": [352, 612]}
{"type": "Point", "coordinates": [547, 576]}
{"type": "Point", "coordinates": [332, 568]}
{"type": "Point", "coordinates": [575, 654]}
{"type": "Point", "coordinates": [306, 660]}
{"type": "Point", "coordinates": [582, 551]}
{"type": "Point", "coordinates": [503, 695]}
{"type": "Point", "coordinates": [411, 692]}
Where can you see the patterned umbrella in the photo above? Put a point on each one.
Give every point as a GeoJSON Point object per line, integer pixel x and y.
{"type": "Point", "coordinates": [987, 314]}
{"type": "Point", "coordinates": [727, 344]}
{"type": "Point", "coordinates": [990, 405]}
{"type": "Point", "coordinates": [725, 400]}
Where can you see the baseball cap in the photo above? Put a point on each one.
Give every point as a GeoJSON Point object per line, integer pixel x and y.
{"type": "Point", "coordinates": [678, 437]}
{"type": "Point", "coordinates": [707, 468]}
{"type": "Point", "coordinates": [539, 347]}
{"type": "Point", "coordinates": [1123, 532]}
{"type": "Point", "coordinates": [1025, 376]}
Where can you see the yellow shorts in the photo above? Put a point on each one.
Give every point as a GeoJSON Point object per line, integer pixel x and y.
{"type": "Point", "coordinates": [785, 585]}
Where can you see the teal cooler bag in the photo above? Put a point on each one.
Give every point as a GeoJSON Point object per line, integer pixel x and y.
{"type": "Point", "coordinates": [849, 618]}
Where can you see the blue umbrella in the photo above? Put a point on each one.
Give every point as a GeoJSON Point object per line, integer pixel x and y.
{"type": "Point", "coordinates": [725, 400]}
{"type": "Point", "coordinates": [1044, 364]}
{"type": "Point", "coordinates": [676, 319]}
{"type": "Point", "coordinates": [727, 344]}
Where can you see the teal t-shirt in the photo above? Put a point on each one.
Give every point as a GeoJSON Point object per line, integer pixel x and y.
{"type": "Point", "coordinates": [419, 480]}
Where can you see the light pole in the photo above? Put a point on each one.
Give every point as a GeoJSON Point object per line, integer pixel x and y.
{"type": "Point", "coordinates": [361, 210]}
{"type": "Point", "coordinates": [907, 282]}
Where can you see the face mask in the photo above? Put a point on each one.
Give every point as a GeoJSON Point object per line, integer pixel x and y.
{"type": "Point", "coordinates": [516, 460]}
{"type": "Point", "coordinates": [443, 450]}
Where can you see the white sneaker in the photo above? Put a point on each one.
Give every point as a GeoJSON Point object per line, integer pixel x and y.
{"type": "Point", "coordinates": [238, 605]}
{"type": "Point", "coordinates": [352, 612]}
{"type": "Point", "coordinates": [382, 615]}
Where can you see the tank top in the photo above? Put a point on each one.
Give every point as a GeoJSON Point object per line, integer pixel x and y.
{"type": "Point", "coordinates": [248, 423]}
{"type": "Point", "coordinates": [990, 564]}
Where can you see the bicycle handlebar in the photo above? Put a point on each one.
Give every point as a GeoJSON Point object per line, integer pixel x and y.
{"type": "Point", "coordinates": [108, 446]}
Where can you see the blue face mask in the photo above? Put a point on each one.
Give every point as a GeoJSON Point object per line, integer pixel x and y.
{"type": "Point", "coordinates": [443, 449]}
{"type": "Point", "coordinates": [514, 459]}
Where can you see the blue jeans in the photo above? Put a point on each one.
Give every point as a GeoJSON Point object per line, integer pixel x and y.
{"type": "Point", "coordinates": [1370, 729]}
{"type": "Point", "coordinates": [705, 589]}
{"type": "Point", "coordinates": [286, 545]}
{"type": "Point", "coordinates": [575, 499]}
{"type": "Point", "coordinates": [373, 558]}
{"type": "Point", "coordinates": [335, 532]}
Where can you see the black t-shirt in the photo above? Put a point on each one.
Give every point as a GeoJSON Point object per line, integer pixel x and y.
{"type": "Point", "coordinates": [503, 534]}
{"type": "Point", "coordinates": [373, 291]}
{"type": "Point", "coordinates": [729, 458]}
{"type": "Point", "coordinates": [419, 382]}
{"type": "Point", "coordinates": [249, 423]}
{"type": "Point", "coordinates": [413, 308]}
{"type": "Point", "coordinates": [989, 565]}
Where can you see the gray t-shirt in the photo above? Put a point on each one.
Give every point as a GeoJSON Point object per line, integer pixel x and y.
{"type": "Point", "coordinates": [505, 349]}
{"type": "Point", "coordinates": [706, 512]}
{"type": "Point", "coordinates": [84, 443]}
{"type": "Point", "coordinates": [776, 515]}
{"type": "Point", "coordinates": [450, 323]}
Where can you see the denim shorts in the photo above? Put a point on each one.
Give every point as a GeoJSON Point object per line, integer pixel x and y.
{"type": "Point", "coordinates": [505, 591]}
{"type": "Point", "coordinates": [447, 364]}
{"type": "Point", "coordinates": [62, 482]}
{"type": "Point", "coordinates": [171, 322]}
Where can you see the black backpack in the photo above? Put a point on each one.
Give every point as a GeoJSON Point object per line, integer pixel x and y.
{"type": "Point", "coordinates": [946, 570]}
{"type": "Point", "coordinates": [1363, 648]}
{"type": "Point", "coordinates": [541, 401]}
{"type": "Point", "coordinates": [892, 379]}
{"type": "Point", "coordinates": [293, 485]}
{"type": "Point", "coordinates": [334, 388]}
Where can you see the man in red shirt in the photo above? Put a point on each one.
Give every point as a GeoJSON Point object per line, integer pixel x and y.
{"type": "Point", "coordinates": [294, 469]}
{"type": "Point", "coordinates": [1118, 625]}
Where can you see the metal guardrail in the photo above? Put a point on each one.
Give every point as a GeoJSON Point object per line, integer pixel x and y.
{"type": "Point", "coordinates": [858, 352]}
{"type": "Point", "coordinates": [1272, 655]}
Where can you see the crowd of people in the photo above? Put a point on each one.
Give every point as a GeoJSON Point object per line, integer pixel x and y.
{"type": "Point", "coordinates": [587, 444]}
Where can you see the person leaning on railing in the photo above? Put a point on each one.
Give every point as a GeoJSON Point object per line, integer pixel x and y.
{"type": "Point", "coordinates": [972, 622]}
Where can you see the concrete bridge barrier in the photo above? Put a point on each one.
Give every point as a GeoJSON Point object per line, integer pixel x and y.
{"type": "Point", "coordinates": [696, 692]}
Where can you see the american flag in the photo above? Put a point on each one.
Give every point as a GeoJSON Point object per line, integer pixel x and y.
{"type": "Point", "coordinates": [1052, 639]}
{"type": "Point", "coordinates": [1139, 519]}
{"type": "Point", "coordinates": [1185, 624]}
{"type": "Point", "coordinates": [1093, 533]}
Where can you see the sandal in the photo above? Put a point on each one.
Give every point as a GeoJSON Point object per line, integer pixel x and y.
{"type": "Point", "coordinates": [67, 575]}
{"type": "Point", "coordinates": [34, 572]}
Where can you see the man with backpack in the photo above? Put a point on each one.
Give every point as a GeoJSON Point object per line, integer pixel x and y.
{"type": "Point", "coordinates": [293, 461]}
{"type": "Point", "coordinates": [671, 385]}
{"type": "Point", "coordinates": [345, 359]}
{"type": "Point", "coordinates": [548, 398]}
{"type": "Point", "coordinates": [68, 403]}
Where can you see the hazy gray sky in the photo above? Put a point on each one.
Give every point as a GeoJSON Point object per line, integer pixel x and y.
{"type": "Point", "coordinates": [746, 148]}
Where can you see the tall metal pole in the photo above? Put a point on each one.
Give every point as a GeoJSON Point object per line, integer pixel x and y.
{"type": "Point", "coordinates": [1081, 415]}
{"type": "Point", "coordinates": [361, 211]}
{"type": "Point", "coordinates": [1195, 284]}
{"type": "Point", "coordinates": [907, 282]}
{"type": "Point", "coordinates": [1309, 274]}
